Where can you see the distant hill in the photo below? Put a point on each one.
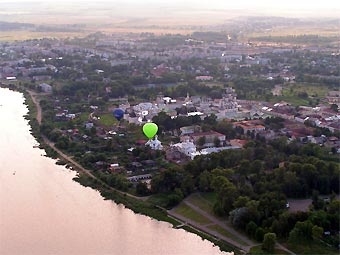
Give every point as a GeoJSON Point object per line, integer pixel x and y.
{"type": "Point", "coordinates": [7, 26]}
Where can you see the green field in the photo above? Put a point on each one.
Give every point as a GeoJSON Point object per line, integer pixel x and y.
{"type": "Point", "coordinates": [160, 199]}
{"type": "Point", "coordinates": [224, 232]}
{"type": "Point", "coordinates": [204, 202]}
{"type": "Point", "coordinates": [290, 93]}
{"type": "Point", "coordinates": [189, 213]}
{"type": "Point", "coordinates": [256, 250]}
{"type": "Point", "coordinates": [211, 197]}
{"type": "Point", "coordinates": [84, 116]}
{"type": "Point", "coordinates": [311, 248]}
{"type": "Point", "coordinates": [107, 119]}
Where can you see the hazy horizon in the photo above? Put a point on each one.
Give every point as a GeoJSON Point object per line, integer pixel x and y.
{"type": "Point", "coordinates": [160, 12]}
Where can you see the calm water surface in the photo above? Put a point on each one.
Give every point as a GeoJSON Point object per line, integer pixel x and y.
{"type": "Point", "coordinates": [42, 211]}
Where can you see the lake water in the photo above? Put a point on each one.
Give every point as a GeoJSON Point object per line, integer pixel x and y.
{"type": "Point", "coordinates": [43, 211]}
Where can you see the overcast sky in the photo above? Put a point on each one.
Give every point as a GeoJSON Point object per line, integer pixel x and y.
{"type": "Point", "coordinates": [171, 8]}
{"type": "Point", "coordinates": [275, 4]}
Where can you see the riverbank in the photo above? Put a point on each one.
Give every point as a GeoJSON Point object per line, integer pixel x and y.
{"type": "Point", "coordinates": [86, 178]}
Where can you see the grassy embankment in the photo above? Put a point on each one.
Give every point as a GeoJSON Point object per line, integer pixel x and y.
{"type": "Point", "coordinates": [191, 214]}
{"type": "Point", "coordinates": [35, 128]}
{"type": "Point", "coordinates": [205, 202]}
{"type": "Point", "coordinates": [311, 248]}
{"type": "Point", "coordinates": [149, 209]}
{"type": "Point", "coordinates": [257, 250]}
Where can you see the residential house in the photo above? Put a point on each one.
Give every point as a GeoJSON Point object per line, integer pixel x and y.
{"type": "Point", "coordinates": [209, 137]}
{"type": "Point", "coordinates": [45, 88]}
{"type": "Point", "coordinates": [249, 126]}
{"type": "Point", "coordinates": [204, 78]}
{"type": "Point", "coordinates": [190, 130]}
{"type": "Point", "coordinates": [238, 142]}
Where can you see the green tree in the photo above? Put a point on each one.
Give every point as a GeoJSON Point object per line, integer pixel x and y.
{"type": "Point", "coordinates": [63, 143]}
{"type": "Point", "coordinates": [301, 232]}
{"type": "Point", "coordinates": [251, 229]}
{"type": "Point", "coordinates": [142, 188]}
{"type": "Point", "coordinates": [175, 197]}
{"type": "Point", "coordinates": [239, 217]}
{"type": "Point", "coordinates": [201, 141]}
{"type": "Point", "coordinates": [335, 107]}
{"type": "Point", "coordinates": [227, 194]}
{"type": "Point", "coordinates": [259, 234]}
{"type": "Point", "coordinates": [211, 119]}
{"type": "Point", "coordinates": [269, 242]}
{"type": "Point", "coordinates": [241, 201]}
{"type": "Point", "coordinates": [244, 167]}
{"type": "Point", "coordinates": [204, 181]}
{"type": "Point", "coordinates": [217, 142]}
{"type": "Point", "coordinates": [317, 232]}
{"type": "Point", "coordinates": [187, 185]}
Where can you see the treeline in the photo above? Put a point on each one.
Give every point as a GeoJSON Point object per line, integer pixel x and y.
{"type": "Point", "coordinates": [296, 39]}
{"type": "Point", "coordinates": [252, 89]}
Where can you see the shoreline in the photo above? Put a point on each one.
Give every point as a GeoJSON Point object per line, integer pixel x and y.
{"type": "Point", "coordinates": [87, 179]}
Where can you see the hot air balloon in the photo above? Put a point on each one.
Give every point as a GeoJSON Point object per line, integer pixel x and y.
{"type": "Point", "coordinates": [118, 114]}
{"type": "Point", "coordinates": [150, 130]}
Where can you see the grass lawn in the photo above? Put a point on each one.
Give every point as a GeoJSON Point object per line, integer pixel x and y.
{"type": "Point", "coordinates": [202, 203]}
{"type": "Point", "coordinates": [290, 93]}
{"type": "Point", "coordinates": [107, 119]}
{"type": "Point", "coordinates": [258, 251]}
{"type": "Point", "coordinates": [189, 213]}
{"type": "Point", "coordinates": [160, 199]}
{"type": "Point", "coordinates": [210, 196]}
{"type": "Point", "coordinates": [224, 232]}
{"type": "Point", "coordinates": [84, 116]}
{"type": "Point", "coordinates": [224, 246]}
{"type": "Point", "coordinates": [311, 248]}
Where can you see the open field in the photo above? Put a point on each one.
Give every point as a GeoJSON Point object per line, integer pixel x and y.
{"type": "Point", "coordinates": [314, 90]}
{"type": "Point", "coordinates": [20, 35]}
{"type": "Point", "coordinates": [107, 119]}
{"type": "Point", "coordinates": [302, 30]}
{"type": "Point", "coordinates": [292, 93]}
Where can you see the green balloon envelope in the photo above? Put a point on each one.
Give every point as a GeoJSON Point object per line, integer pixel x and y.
{"type": "Point", "coordinates": [150, 130]}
